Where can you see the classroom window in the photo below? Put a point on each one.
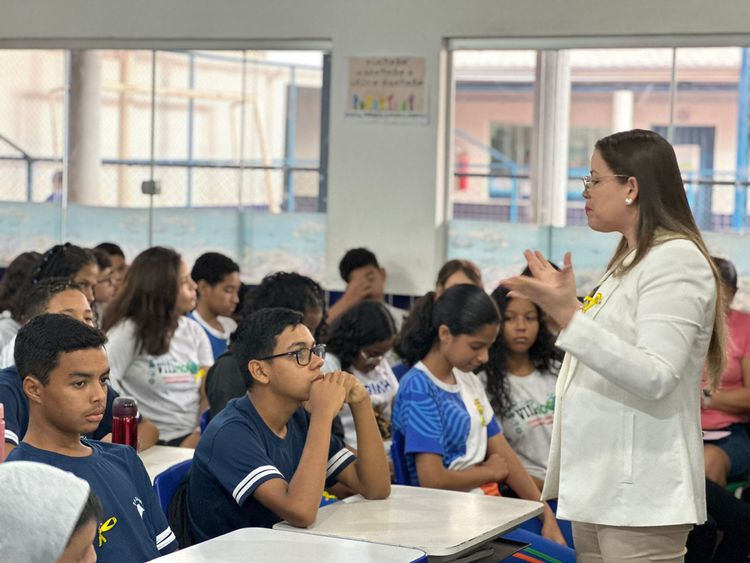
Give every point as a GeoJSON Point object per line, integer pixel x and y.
{"type": "Point", "coordinates": [696, 97]}
{"type": "Point", "coordinates": [229, 128]}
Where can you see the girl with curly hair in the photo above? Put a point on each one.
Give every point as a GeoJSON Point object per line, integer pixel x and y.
{"type": "Point", "coordinates": [520, 378]}
{"type": "Point", "coordinates": [359, 341]}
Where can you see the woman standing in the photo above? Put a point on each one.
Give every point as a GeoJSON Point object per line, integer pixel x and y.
{"type": "Point", "coordinates": [626, 458]}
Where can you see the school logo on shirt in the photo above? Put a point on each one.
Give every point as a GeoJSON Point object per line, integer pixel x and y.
{"type": "Point", "coordinates": [105, 527]}
{"type": "Point", "coordinates": [173, 373]}
{"type": "Point", "coordinates": [138, 503]}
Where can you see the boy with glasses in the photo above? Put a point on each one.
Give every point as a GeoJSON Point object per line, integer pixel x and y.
{"type": "Point", "coordinates": [264, 459]}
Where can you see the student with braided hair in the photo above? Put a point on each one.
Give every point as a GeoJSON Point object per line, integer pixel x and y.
{"type": "Point", "coordinates": [72, 262]}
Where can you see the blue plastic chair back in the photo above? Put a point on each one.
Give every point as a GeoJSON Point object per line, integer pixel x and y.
{"type": "Point", "coordinates": [400, 369]}
{"type": "Point", "coordinates": [166, 482]}
{"type": "Point", "coordinates": [204, 420]}
{"type": "Point", "coordinates": [398, 457]}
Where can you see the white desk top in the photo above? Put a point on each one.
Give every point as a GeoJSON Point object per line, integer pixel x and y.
{"type": "Point", "coordinates": [261, 545]}
{"type": "Point", "coordinates": [434, 521]}
{"type": "Point", "coordinates": [158, 458]}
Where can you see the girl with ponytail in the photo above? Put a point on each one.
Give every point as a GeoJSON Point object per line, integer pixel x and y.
{"type": "Point", "coordinates": [445, 434]}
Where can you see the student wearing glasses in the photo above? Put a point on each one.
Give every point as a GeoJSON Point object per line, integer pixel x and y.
{"type": "Point", "coordinates": [287, 456]}
{"type": "Point", "coordinates": [626, 457]}
{"type": "Point", "coordinates": [358, 342]}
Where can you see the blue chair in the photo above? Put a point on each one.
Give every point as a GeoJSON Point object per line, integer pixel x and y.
{"type": "Point", "coordinates": [167, 482]}
{"type": "Point", "coordinates": [400, 369]}
{"type": "Point", "coordinates": [398, 457]}
{"type": "Point", "coordinates": [204, 420]}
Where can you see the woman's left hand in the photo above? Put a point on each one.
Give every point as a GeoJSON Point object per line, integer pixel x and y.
{"type": "Point", "coordinates": [554, 291]}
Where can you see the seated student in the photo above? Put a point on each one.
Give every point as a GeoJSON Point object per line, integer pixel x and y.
{"type": "Point", "coordinates": [218, 280]}
{"type": "Point", "coordinates": [104, 290]}
{"type": "Point", "coordinates": [726, 514]}
{"type": "Point", "coordinates": [443, 424]}
{"type": "Point", "coordinates": [64, 369]}
{"type": "Point", "coordinates": [15, 281]}
{"type": "Point", "coordinates": [286, 456]}
{"type": "Point", "coordinates": [457, 272]}
{"type": "Point", "coordinates": [365, 279]}
{"type": "Point", "coordinates": [225, 380]}
{"type": "Point", "coordinates": [46, 514]}
{"type": "Point", "coordinates": [70, 261]}
{"type": "Point", "coordinates": [158, 356]}
{"type": "Point", "coordinates": [61, 295]}
{"type": "Point", "coordinates": [119, 265]}
{"type": "Point", "coordinates": [358, 343]}
{"type": "Point", "coordinates": [726, 411]}
{"type": "Point", "coordinates": [520, 378]}
{"type": "Point", "coordinates": [55, 295]}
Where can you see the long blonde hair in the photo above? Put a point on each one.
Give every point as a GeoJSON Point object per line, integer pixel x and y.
{"type": "Point", "coordinates": [662, 209]}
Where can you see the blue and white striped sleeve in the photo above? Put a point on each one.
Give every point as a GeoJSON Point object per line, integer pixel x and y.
{"type": "Point", "coordinates": [241, 470]}
{"type": "Point", "coordinates": [339, 457]}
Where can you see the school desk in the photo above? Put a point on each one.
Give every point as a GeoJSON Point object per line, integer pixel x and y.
{"type": "Point", "coordinates": [443, 524]}
{"type": "Point", "coordinates": [261, 545]}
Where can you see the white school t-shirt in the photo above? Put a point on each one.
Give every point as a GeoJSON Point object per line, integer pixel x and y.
{"type": "Point", "coordinates": [382, 385]}
{"type": "Point", "coordinates": [9, 327]}
{"type": "Point", "coordinates": [528, 426]}
{"type": "Point", "coordinates": [7, 358]}
{"type": "Point", "coordinates": [167, 387]}
{"type": "Point", "coordinates": [398, 315]}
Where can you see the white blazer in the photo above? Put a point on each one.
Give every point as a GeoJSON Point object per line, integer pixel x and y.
{"type": "Point", "coordinates": [627, 447]}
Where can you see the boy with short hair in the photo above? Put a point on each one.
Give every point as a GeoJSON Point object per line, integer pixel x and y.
{"type": "Point", "coordinates": [64, 369]}
{"type": "Point", "coordinates": [263, 458]}
{"type": "Point", "coordinates": [218, 280]}
{"type": "Point", "coordinates": [365, 279]}
{"type": "Point", "coordinates": [53, 295]}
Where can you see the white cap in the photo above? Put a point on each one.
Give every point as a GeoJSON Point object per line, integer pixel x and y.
{"type": "Point", "coordinates": [39, 508]}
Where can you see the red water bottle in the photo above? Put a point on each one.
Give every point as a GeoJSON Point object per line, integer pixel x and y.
{"type": "Point", "coordinates": [125, 421]}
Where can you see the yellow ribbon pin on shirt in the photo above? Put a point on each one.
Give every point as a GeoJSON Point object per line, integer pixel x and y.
{"type": "Point", "coordinates": [480, 408]}
{"type": "Point", "coordinates": [589, 302]}
{"type": "Point", "coordinates": [106, 527]}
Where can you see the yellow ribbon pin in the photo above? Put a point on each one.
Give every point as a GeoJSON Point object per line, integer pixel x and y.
{"type": "Point", "coordinates": [589, 302]}
{"type": "Point", "coordinates": [201, 373]}
{"type": "Point", "coordinates": [106, 527]}
{"type": "Point", "coordinates": [480, 409]}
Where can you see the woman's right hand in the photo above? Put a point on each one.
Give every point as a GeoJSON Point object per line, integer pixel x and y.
{"type": "Point", "coordinates": [554, 291]}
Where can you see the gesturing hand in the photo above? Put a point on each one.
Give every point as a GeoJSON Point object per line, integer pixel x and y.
{"type": "Point", "coordinates": [553, 290]}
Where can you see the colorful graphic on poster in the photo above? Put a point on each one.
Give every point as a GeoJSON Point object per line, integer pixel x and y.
{"type": "Point", "coordinates": [387, 89]}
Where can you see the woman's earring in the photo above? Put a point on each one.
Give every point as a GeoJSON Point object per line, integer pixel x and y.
{"type": "Point", "coordinates": [628, 201]}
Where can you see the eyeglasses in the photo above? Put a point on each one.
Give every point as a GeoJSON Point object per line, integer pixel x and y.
{"type": "Point", "coordinates": [590, 181]}
{"type": "Point", "coordinates": [303, 355]}
{"type": "Point", "coordinates": [369, 360]}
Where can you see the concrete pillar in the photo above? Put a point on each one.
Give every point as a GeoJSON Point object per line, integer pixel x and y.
{"type": "Point", "coordinates": [623, 102]}
{"type": "Point", "coordinates": [124, 116]}
{"type": "Point", "coordinates": [85, 131]}
{"type": "Point", "coordinates": [549, 166]}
